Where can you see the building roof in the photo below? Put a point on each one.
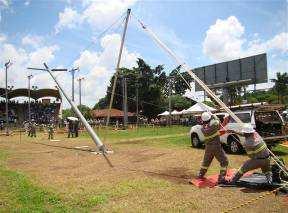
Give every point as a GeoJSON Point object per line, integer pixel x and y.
{"type": "Point", "coordinates": [34, 94]}
{"type": "Point", "coordinates": [115, 113]}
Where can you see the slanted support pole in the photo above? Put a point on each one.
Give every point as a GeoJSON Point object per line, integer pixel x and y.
{"type": "Point", "coordinates": [118, 66]}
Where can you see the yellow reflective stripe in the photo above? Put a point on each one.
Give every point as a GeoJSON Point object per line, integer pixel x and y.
{"type": "Point", "coordinates": [257, 150]}
{"type": "Point", "coordinates": [204, 167]}
{"type": "Point", "coordinates": [211, 136]}
{"type": "Point", "coordinates": [223, 168]}
{"type": "Point", "coordinates": [240, 170]}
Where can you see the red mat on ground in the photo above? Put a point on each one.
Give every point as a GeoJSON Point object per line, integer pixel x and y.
{"type": "Point", "coordinates": [212, 180]}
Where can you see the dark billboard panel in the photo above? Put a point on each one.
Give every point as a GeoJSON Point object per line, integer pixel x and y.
{"type": "Point", "coordinates": [251, 69]}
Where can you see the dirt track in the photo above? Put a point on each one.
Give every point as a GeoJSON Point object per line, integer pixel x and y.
{"type": "Point", "coordinates": [74, 172]}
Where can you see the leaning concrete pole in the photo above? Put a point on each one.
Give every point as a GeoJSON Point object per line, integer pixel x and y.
{"type": "Point", "coordinates": [91, 132]}
{"type": "Point", "coordinates": [118, 66]}
{"type": "Point", "coordinates": [188, 69]}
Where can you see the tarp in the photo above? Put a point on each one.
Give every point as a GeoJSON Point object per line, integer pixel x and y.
{"type": "Point", "coordinates": [198, 108]}
{"type": "Point", "coordinates": [212, 180]}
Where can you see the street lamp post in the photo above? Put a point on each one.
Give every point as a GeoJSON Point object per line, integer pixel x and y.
{"type": "Point", "coordinates": [7, 65]}
{"type": "Point", "coordinates": [80, 85]}
{"type": "Point", "coordinates": [29, 96]}
{"type": "Point", "coordinates": [73, 76]}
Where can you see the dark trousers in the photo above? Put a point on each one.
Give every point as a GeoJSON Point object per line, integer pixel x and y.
{"type": "Point", "coordinates": [211, 151]}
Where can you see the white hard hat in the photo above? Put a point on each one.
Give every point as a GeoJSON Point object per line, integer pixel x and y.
{"type": "Point", "coordinates": [205, 116]}
{"type": "Point", "coordinates": [285, 112]}
{"type": "Point", "coordinates": [247, 128]}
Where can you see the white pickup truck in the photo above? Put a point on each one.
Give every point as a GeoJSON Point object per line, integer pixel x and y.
{"type": "Point", "coordinates": [269, 124]}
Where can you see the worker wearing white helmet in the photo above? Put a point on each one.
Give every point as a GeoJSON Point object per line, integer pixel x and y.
{"type": "Point", "coordinates": [213, 148]}
{"type": "Point", "coordinates": [258, 153]}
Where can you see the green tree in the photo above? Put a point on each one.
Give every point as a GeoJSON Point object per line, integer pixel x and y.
{"type": "Point", "coordinates": [150, 82]}
{"type": "Point", "coordinates": [85, 110]}
{"type": "Point", "coordinates": [281, 86]}
{"type": "Point", "coordinates": [179, 102]}
{"type": "Point", "coordinates": [67, 113]}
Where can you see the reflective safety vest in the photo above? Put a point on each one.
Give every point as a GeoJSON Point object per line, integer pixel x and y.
{"type": "Point", "coordinates": [255, 146]}
{"type": "Point", "coordinates": [211, 132]}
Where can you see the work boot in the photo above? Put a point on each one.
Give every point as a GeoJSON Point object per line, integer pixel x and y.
{"type": "Point", "coordinates": [201, 173]}
{"type": "Point", "coordinates": [221, 177]}
{"type": "Point", "coordinates": [269, 177]}
{"type": "Point", "coordinates": [235, 178]}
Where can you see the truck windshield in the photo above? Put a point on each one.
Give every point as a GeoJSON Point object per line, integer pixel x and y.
{"type": "Point", "coordinates": [244, 117]}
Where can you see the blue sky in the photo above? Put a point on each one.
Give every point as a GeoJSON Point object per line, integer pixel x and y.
{"type": "Point", "coordinates": [201, 32]}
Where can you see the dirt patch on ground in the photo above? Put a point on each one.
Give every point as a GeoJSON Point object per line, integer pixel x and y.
{"type": "Point", "coordinates": [71, 170]}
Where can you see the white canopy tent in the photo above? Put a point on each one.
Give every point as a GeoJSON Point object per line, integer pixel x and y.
{"type": "Point", "coordinates": [164, 113]}
{"type": "Point", "coordinates": [175, 112]}
{"type": "Point", "coordinates": [198, 108]}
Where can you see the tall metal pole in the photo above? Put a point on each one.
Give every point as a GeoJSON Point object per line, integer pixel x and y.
{"type": "Point", "coordinates": [6, 95]}
{"type": "Point", "coordinates": [80, 90]}
{"type": "Point", "coordinates": [73, 77]}
{"type": "Point", "coordinates": [91, 132]}
{"type": "Point", "coordinates": [188, 69]}
{"type": "Point", "coordinates": [29, 96]}
{"type": "Point", "coordinates": [118, 66]}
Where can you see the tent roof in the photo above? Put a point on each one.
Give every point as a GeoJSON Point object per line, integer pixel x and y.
{"type": "Point", "coordinates": [34, 94]}
{"type": "Point", "coordinates": [175, 112]}
{"type": "Point", "coordinates": [164, 113]}
{"type": "Point", "coordinates": [115, 113]}
{"type": "Point", "coordinates": [198, 108]}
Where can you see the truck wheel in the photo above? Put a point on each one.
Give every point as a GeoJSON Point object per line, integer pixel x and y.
{"type": "Point", "coordinates": [234, 146]}
{"type": "Point", "coordinates": [195, 142]}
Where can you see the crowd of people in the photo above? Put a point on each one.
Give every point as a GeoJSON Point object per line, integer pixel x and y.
{"type": "Point", "coordinates": [42, 113]}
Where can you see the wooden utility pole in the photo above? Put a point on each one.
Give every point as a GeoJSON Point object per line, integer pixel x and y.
{"type": "Point", "coordinates": [118, 65]}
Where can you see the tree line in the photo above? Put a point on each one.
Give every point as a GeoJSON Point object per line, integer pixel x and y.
{"type": "Point", "coordinates": [153, 91]}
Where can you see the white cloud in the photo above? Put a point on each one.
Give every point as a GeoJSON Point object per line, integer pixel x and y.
{"type": "Point", "coordinates": [96, 66]}
{"type": "Point", "coordinates": [27, 3]}
{"type": "Point", "coordinates": [32, 40]}
{"type": "Point", "coordinates": [4, 3]}
{"type": "Point", "coordinates": [100, 66]}
{"type": "Point", "coordinates": [43, 54]}
{"type": "Point", "coordinates": [21, 59]}
{"type": "Point", "coordinates": [225, 41]}
{"type": "Point", "coordinates": [98, 14]}
{"type": "Point", "coordinates": [2, 38]}
{"type": "Point", "coordinates": [69, 18]}
{"type": "Point", "coordinates": [102, 13]}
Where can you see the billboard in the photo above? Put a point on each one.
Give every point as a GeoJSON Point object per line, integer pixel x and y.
{"type": "Point", "coordinates": [249, 70]}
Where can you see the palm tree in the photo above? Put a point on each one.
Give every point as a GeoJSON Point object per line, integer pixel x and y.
{"type": "Point", "coordinates": [281, 85]}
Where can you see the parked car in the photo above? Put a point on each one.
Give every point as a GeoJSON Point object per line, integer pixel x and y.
{"type": "Point", "coordinates": [268, 123]}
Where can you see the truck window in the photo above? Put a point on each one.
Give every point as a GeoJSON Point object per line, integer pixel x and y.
{"type": "Point", "coordinates": [244, 117]}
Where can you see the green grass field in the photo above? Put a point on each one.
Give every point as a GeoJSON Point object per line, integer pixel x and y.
{"type": "Point", "coordinates": [26, 186]}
